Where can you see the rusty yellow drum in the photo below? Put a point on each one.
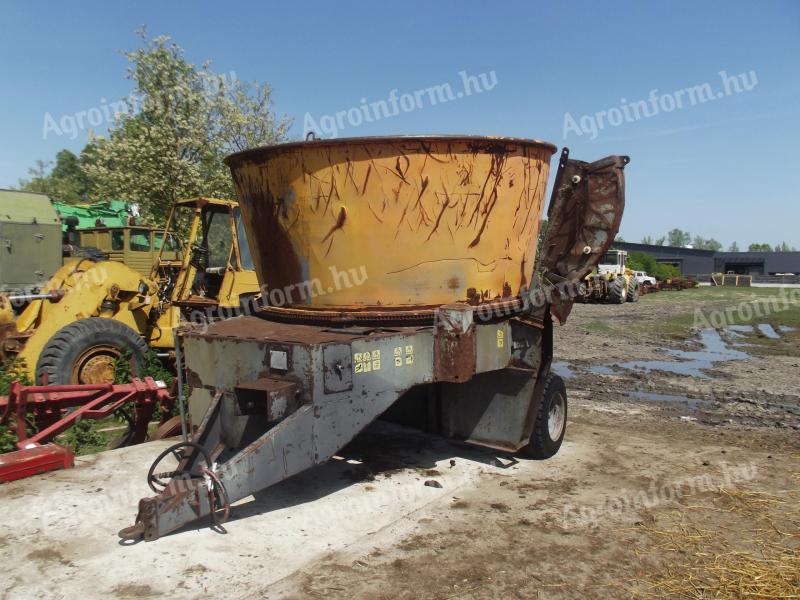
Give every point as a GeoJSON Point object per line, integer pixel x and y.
{"type": "Point", "coordinates": [392, 222]}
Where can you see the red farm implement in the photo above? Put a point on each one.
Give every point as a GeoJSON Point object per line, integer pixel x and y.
{"type": "Point", "coordinates": [54, 409]}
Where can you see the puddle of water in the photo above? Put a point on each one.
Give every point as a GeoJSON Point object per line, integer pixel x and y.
{"type": "Point", "coordinates": [601, 370]}
{"type": "Point", "coordinates": [653, 397]}
{"type": "Point", "coordinates": [738, 332]}
{"type": "Point", "coordinates": [693, 362]}
{"type": "Point", "coordinates": [768, 331]}
{"type": "Point", "coordinates": [563, 369]}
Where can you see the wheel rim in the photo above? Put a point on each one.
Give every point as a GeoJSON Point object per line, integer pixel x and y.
{"type": "Point", "coordinates": [557, 416]}
{"type": "Point", "coordinates": [95, 365]}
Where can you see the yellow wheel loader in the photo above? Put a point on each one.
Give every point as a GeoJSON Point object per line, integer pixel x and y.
{"type": "Point", "coordinates": [612, 281]}
{"type": "Point", "coordinates": [90, 313]}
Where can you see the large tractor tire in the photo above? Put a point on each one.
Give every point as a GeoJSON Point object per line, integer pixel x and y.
{"type": "Point", "coordinates": [617, 291]}
{"type": "Point", "coordinates": [85, 352]}
{"type": "Point", "coordinates": [551, 420]}
{"type": "Point", "coordinates": [633, 291]}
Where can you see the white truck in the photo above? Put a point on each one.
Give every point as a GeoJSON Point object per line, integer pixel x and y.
{"type": "Point", "coordinates": [643, 278]}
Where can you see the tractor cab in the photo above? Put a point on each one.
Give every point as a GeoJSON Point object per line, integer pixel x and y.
{"type": "Point", "coordinates": [135, 246]}
{"type": "Point", "coordinates": [212, 268]}
{"type": "Point", "coordinates": [614, 261]}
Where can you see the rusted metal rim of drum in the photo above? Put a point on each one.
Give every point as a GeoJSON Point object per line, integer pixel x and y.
{"type": "Point", "coordinates": [482, 144]}
{"type": "Point", "coordinates": [486, 312]}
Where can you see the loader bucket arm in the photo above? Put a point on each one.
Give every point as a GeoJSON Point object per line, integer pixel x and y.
{"type": "Point", "coordinates": [584, 215]}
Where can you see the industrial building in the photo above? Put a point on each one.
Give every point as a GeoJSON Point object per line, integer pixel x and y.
{"type": "Point", "coordinates": [693, 261]}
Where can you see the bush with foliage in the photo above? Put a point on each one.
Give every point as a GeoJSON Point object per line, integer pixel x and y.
{"type": "Point", "coordinates": [642, 261]}
{"type": "Point", "coordinates": [83, 436]}
{"type": "Point", "coordinates": [13, 370]}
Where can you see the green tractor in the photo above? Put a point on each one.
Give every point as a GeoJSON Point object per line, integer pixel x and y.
{"type": "Point", "coordinates": [612, 281]}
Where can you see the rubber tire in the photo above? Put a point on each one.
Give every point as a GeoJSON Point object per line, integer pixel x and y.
{"type": "Point", "coordinates": [633, 291]}
{"type": "Point", "coordinates": [541, 445]}
{"type": "Point", "coordinates": [62, 350]}
{"type": "Point", "coordinates": [616, 291]}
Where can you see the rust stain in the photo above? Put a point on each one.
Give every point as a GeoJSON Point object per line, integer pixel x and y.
{"type": "Point", "coordinates": [445, 206]}
{"type": "Point", "coordinates": [374, 213]}
{"type": "Point", "coordinates": [336, 227]}
{"type": "Point", "coordinates": [402, 218]}
{"type": "Point", "coordinates": [423, 218]}
{"type": "Point", "coordinates": [399, 170]}
{"type": "Point", "coordinates": [366, 179]}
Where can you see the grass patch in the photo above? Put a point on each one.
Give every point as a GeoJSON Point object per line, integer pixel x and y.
{"type": "Point", "coordinates": [713, 294]}
{"type": "Point", "coordinates": [718, 307]}
{"type": "Point", "coordinates": [87, 437]}
{"type": "Point", "coordinates": [598, 326]}
{"type": "Point", "coordinates": [787, 345]}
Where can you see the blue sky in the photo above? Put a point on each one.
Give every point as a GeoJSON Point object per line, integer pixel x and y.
{"type": "Point", "coordinates": [723, 168]}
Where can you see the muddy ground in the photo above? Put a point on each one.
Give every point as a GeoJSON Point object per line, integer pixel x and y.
{"type": "Point", "coordinates": [648, 490]}
{"type": "Point", "coordinates": [668, 485]}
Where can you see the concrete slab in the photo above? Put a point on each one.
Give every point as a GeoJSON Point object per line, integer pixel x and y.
{"type": "Point", "coordinates": [58, 531]}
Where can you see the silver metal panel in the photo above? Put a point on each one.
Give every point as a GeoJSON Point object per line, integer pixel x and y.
{"type": "Point", "coordinates": [493, 347]}
{"type": "Point", "coordinates": [489, 410]}
{"type": "Point", "coordinates": [199, 401]}
{"type": "Point", "coordinates": [392, 363]}
{"type": "Point", "coordinates": [337, 368]}
{"type": "Point", "coordinates": [222, 363]}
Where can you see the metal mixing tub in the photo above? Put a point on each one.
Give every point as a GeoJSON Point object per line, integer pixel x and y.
{"type": "Point", "coordinates": [372, 226]}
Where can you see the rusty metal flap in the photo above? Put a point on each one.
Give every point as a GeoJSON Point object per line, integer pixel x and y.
{"type": "Point", "coordinates": [583, 217]}
{"type": "Point", "coordinates": [454, 343]}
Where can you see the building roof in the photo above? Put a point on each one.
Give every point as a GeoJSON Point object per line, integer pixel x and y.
{"type": "Point", "coordinates": [663, 250]}
{"type": "Point", "coordinates": [25, 207]}
{"type": "Point", "coordinates": [695, 260]}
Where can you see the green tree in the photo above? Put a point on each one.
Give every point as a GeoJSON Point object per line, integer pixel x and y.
{"type": "Point", "coordinates": [734, 247]}
{"type": "Point", "coordinates": [66, 181]}
{"type": "Point", "coordinates": [706, 244]}
{"type": "Point", "coordinates": [661, 241]}
{"type": "Point", "coordinates": [759, 248]}
{"type": "Point", "coordinates": [182, 120]}
{"type": "Point", "coordinates": [647, 240]}
{"type": "Point", "coordinates": [678, 238]}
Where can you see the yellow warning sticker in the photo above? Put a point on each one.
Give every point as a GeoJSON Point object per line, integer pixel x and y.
{"type": "Point", "coordinates": [366, 362]}
{"type": "Point", "coordinates": [403, 358]}
{"type": "Point", "coordinates": [501, 338]}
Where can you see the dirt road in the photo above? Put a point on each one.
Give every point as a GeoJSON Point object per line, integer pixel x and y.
{"type": "Point", "coordinates": [668, 485]}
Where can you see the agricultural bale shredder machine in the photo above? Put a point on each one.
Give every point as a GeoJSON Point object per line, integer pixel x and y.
{"type": "Point", "coordinates": [402, 283]}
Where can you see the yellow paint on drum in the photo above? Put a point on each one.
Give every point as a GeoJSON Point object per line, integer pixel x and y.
{"type": "Point", "coordinates": [392, 222]}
